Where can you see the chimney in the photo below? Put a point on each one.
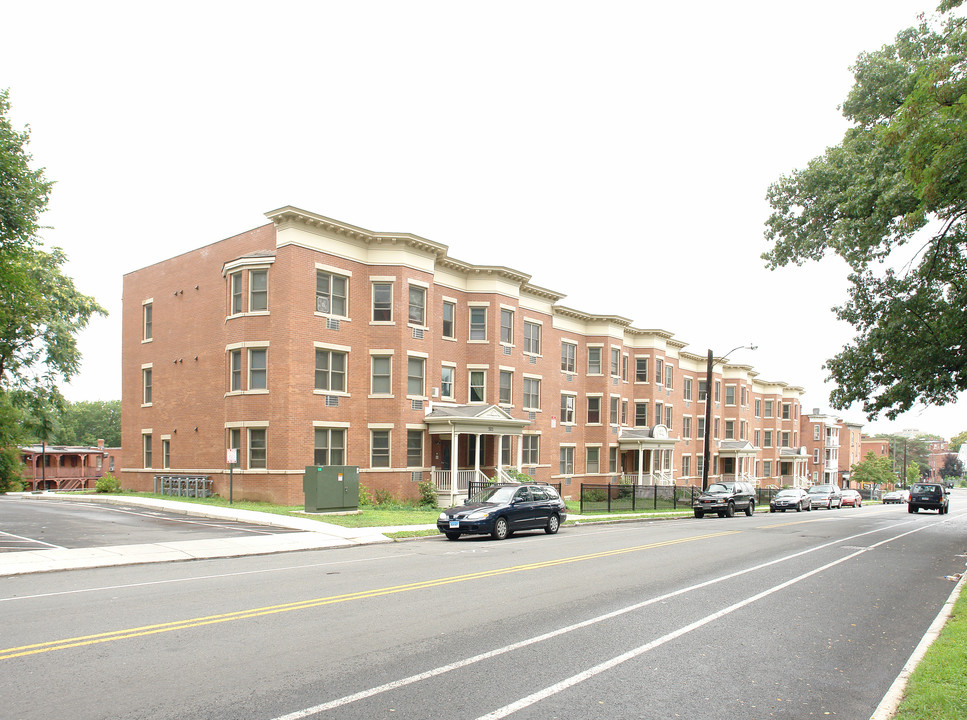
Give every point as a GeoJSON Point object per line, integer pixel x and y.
{"type": "Point", "coordinates": [100, 443]}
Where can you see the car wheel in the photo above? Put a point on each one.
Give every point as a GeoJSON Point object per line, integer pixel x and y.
{"type": "Point", "coordinates": [501, 529]}
{"type": "Point", "coordinates": [749, 510]}
{"type": "Point", "coordinates": [699, 514]}
{"type": "Point", "coordinates": [859, 504]}
{"type": "Point", "coordinates": [799, 507]}
{"type": "Point", "coordinates": [730, 510]}
{"type": "Point", "coordinates": [452, 535]}
{"type": "Point", "coordinates": [909, 508]}
{"type": "Point", "coordinates": [553, 524]}
{"type": "Point", "coordinates": [772, 509]}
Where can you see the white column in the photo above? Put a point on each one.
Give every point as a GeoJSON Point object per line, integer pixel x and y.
{"type": "Point", "coordinates": [520, 451]}
{"type": "Point", "coordinates": [641, 462]}
{"type": "Point", "coordinates": [454, 438]}
{"type": "Point", "coordinates": [500, 454]}
{"type": "Point", "coordinates": [476, 457]}
{"type": "Point", "coordinates": [651, 465]}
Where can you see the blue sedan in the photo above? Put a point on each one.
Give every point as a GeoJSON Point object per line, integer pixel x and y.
{"type": "Point", "coordinates": [501, 510]}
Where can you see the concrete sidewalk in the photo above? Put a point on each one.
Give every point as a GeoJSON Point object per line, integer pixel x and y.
{"type": "Point", "coordinates": [314, 535]}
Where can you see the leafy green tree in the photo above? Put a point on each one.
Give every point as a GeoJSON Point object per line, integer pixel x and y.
{"type": "Point", "coordinates": [873, 469]}
{"type": "Point", "coordinates": [891, 200]}
{"type": "Point", "coordinates": [11, 468]}
{"type": "Point", "coordinates": [86, 422]}
{"type": "Point", "coordinates": [913, 473]}
{"type": "Point", "coordinates": [40, 309]}
{"type": "Point", "coordinates": [957, 440]}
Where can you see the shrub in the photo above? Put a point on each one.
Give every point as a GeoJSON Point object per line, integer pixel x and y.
{"type": "Point", "coordinates": [382, 497]}
{"type": "Point", "coordinates": [428, 494]}
{"type": "Point", "coordinates": [108, 484]}
{"type": "Point", "coordinates": [595, 495]}
{"type": "Point", "coordinates": [365, 497]}
{"type": "Point", "coordinates": [10, 470]}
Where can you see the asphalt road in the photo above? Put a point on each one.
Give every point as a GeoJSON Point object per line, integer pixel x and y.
{"type": "Point", "coordinates": [788, 616]}
{"type": "Point", "coordinates": [28, 525]}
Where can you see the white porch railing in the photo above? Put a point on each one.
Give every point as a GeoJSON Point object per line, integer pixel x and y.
{"type": "Point", "coordinates": [662, 477]}
{"type": "Point", "coordinates": [443, 479]}
{"type": "Point", "coordinates": [503, 476]}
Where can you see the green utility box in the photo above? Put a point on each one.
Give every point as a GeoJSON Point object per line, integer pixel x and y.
{"type": "Point", "coordinates": [330, 488]}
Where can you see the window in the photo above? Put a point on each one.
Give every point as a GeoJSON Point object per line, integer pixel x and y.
{"type": "Point", "coordinates": [658, 413]}
{"type": "Point", "coordinates": [594, 410]}
{"type": "Point", "coordinates": [745, 396]}
{"type": "Point", "coordinates": [256, 448]}
{"type": "Point", "coordinates": [146, 377]}
{"type": "Point", "coordinates": [785, 440]}
{"type": "Point", "coordinates": [699, 465]}
{"type": "Point", "coordinates": [382, 302]}
{"type": "Point", "coordinates": [686, 465]}
{"type": "Point", "coordinates": [624, 412]}
{"type": "Point", "coordinates": [446, 383]}
{"type": "Point", "coordinates": [758, 407]}
{"type": "Point", "coordinates": [567, 408]}
{"type": "Point", "coordinates": [415, 369]}
{"type": "Point", "coordinates": [146, 449]}
{"type": "Point", "coordinates": [506, 387]}
{"type": "Point", "coordinates": [785, 411]}
{"type": "Point", "coordinates": [730, 394]}
{"type": "Point", "coordinates": [331, 293]}
{"type": "Point", "coordinates": [594, 361]}
{"type": "Point", "coordinates": [257, 369]}
{"type": "Point", "coordinates": [816, 457]}
{"type": "Point", "coordinates": [730, 429]}
{"type": "Point", "coordinates": [449, 318]}
{"type": "Point", "coordinates": [530, 447]}
{"type": "Point", "coordinates": [816, 432]}
{"type": "Point", "coordinates": [767, 438]}
{"type": "Point", "coordinates": [593, 461]}
{"type": "Point", "coordinates": [567, 461]}
{"type": "Point", "coordinates": [235, 370]}
{"type": "Point", "coordinates": [659, 370]}
{"type": "Point", "coordinates": [669, 375]}
{"type": "Point", "coordinates": [235, 442]}
{"type": "Point", "coordinates": [742, 426]}
{"type": "Point", "coordinates": [568, 355]}
{"type": "Point", "coordinates": [505, 449]}
{"type": "Point", "coordinates": [668, 417]}
{"type": "Point", "coordinates": [624, 368]}
{"type": "Point", "coordinates": [414, 448]}
{"type": "Point", "coordinates": [330, 370]}
{"type": "Point", "coordinates": [615, 358]}
{"type": "Point", "coordinates": [165, 454]}
{"type": "Point", "coordinates": [417, 315]}
{"type": "Point", "coordinates": [379, 449]}
{"type": "Point", "coordinates": [532, 393]}
{"type": "Point", "coordinates": [702, 390]}
{"type": "Point", "coordinates": [701, 428]}
{"type": "Point", "coordinates": [687, 427]}
{"type": "Point", "coordinates": [235, 283]}
{"type": "Point", "coordinates": [641, 369]}
{"type": "Point", "coordinates": [478, 386]}
{"type": "Point", "coordinates": [478, 323]}
{"type": "Point", "coordinates": [756, 435]}
{"type": "Point", "coordinates": [506, 326]}
{"type": "Point", "coordinates": [768, 408]}
{"type": "Point", "coordinates": [532, 338]}
{"type": "Point", "coordinates": [641, 414]}
{"type": "Point", "coordinates": [686, 388]}
{"type": "Point", "coordinates": [330, 446]}
{"type": "Point", "coordinates": [718, 391]}
{"type": "Point", "coordinates": [613, 460]}
{"type": "Point", "coordinates": [382, 368]}
{"type": "Point", "coordinates": [148, 312]}
{"type": "Point", "coordinates": [767, 468]}
{"type": "Point", "coordinates": [613, 414]}
{"type": "Point", "coordinates": [258, 290]}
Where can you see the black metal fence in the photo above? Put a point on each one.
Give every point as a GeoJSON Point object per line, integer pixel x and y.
{"type": "Point", "coordinates": [636, 498]}
{"type": "Point", "coordinates": [475, 486]}
{"type": "Point", "coordinates": [183, 485]}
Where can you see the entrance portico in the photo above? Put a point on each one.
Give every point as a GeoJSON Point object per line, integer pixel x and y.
{"type": "Point", "coordinates": [659, 448]}
{"type": "Point", "coordinates": [737, 461]}
{"type": "Point", "coordinates": [446, 425]}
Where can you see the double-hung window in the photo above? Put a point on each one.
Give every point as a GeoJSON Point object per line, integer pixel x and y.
{"type": "Point", "coordinates": [446, 382]}
{"type": "Point", "coordinates": [641, 414]}
{"type": "Point", "coordinates": [332, 292]}
{"type": "Point", "coordinates": [532, 393]}
{"type": "Point", "coordinates": [147, 314]}
{"type": "Point", "coordinates": [567, 408]}
{"type": "Point", "coordinates": [330, 370]}
{"type": "Point", "coordinates": [530, 449]}
{"type": "Point", "coordinates": [615, 362]}
{"type": "Point", "coordinates": [379, 448]}
{"type": "Point", "coordinates": [641, 369]}
{"type": "Point", "coordinates": [594, 361]}
{"type": "Point", "coordinates": [478, 386]}
{"type": "Point", "coordinates": [382, 302]}
{"type": "Point", "coordinates": [415, 373]}
{"type": "Point", "coordinates": [506, 326]}
{"type": "Point", "coordinates": [478, 323]}
{"type": "Point", "coordinates": [686, 388]}
{"type": "Point", "coordinates": [594, 410]}
{"type": "Point", "coordinates": [506, 387]}
{"type": "Point", "coordinates": [258, 290]}
{"type": "Point", "coordinates": [257, 369]}
{"type": "Point", "coordinates": [235, 284]}
{"type": "Point", "coordinates": [417, 308]}
{"type": "Point", "coordinates": [593, 462]}
{"type": "Point", "coordinates": [730, 394]}
{"type": "Point", "coordinates": [568, 355]}
{"type": "Point", "coordinates": [382, 370]}
{"type": "Point", "coordinates": [449, 318]}
{"type": "Point", "coordinates": [567, 461]}
{"type": "Point", "coordinates": [330, 446]}
{"type": "Point", "coordinates": [414, 448]}
{"type": "Point", "coordinates": [257, 447]}
{"type": "Point", "coordinates": [532, 338]}
{"type": "Point", "coordinates": [146, 385]}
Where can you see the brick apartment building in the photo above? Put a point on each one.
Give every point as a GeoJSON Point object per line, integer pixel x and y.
{"type": "Point", "coordinates": [311, 341]}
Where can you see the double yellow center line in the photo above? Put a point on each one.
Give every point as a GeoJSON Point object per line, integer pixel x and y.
{"type": "Point", "coordinates": [85, 640]}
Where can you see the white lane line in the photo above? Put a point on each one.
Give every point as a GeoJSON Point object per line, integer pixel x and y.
{"type": "Point", "coordinates": [556, 688]}
{"type": "Point", "coordinates": [200, 577]}
{"type": "Point", "coordinates": [346, 700]}
{"type": "Point", "coordinates": [31, 540]}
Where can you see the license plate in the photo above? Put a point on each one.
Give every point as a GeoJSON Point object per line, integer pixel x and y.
{"type": "Point", "coordinates": [455, 524]}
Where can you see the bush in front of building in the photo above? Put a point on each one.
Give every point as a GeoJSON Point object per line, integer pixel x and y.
{"type": "Point", "coordinates": [428, 494]}
{"type": "Point", "coordinates": [365, 496]}
{"type": "Point", "coordinates": [107, 484]}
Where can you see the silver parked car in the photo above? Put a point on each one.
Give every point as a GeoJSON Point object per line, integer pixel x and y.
{"type": "Point", "coordinates": [827, 495]}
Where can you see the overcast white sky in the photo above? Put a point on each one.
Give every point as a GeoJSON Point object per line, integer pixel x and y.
{"type": "Point", "coordinates": [618, 152]}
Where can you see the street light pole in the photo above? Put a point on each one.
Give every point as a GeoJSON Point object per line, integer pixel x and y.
{"type": "Point", "coordinates": [708, 409]}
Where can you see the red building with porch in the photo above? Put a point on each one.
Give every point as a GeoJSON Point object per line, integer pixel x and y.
{"type": "Point", "coordinates": [60, 467]}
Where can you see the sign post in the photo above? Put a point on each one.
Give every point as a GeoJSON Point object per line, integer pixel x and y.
{"type": "Point", "coordinates": [232, 459]}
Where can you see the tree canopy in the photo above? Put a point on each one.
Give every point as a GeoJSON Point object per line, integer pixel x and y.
{"type": "Point", "coordinates": [957, 440]}
{"type": "Point", "coordinates": [891, 200]}
{"type": "Point", "coordinates": [874, 470]}
{"type": "Point", "coordinates": [41, 311]}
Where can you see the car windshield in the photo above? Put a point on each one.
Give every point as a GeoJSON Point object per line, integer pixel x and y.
{"type": "Point", "coordinates": [720, 487]}
{"type": "Point", "coordinates": [787, 493]}
{"type": "Point", "coordinates": [820, 488]}
{"type": "Point", "coordinates": [494, 495]}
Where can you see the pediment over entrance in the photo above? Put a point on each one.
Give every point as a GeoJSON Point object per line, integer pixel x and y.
{"type": "Point", "coordinates": [476, 419]}
{"type": "Point", "coordinates": [655, 436]}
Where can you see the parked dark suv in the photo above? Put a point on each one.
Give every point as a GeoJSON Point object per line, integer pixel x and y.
{"type": "Point", "coordinates": [929, 496]}
{"type": "Point", "coordinates": [724, 498]}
